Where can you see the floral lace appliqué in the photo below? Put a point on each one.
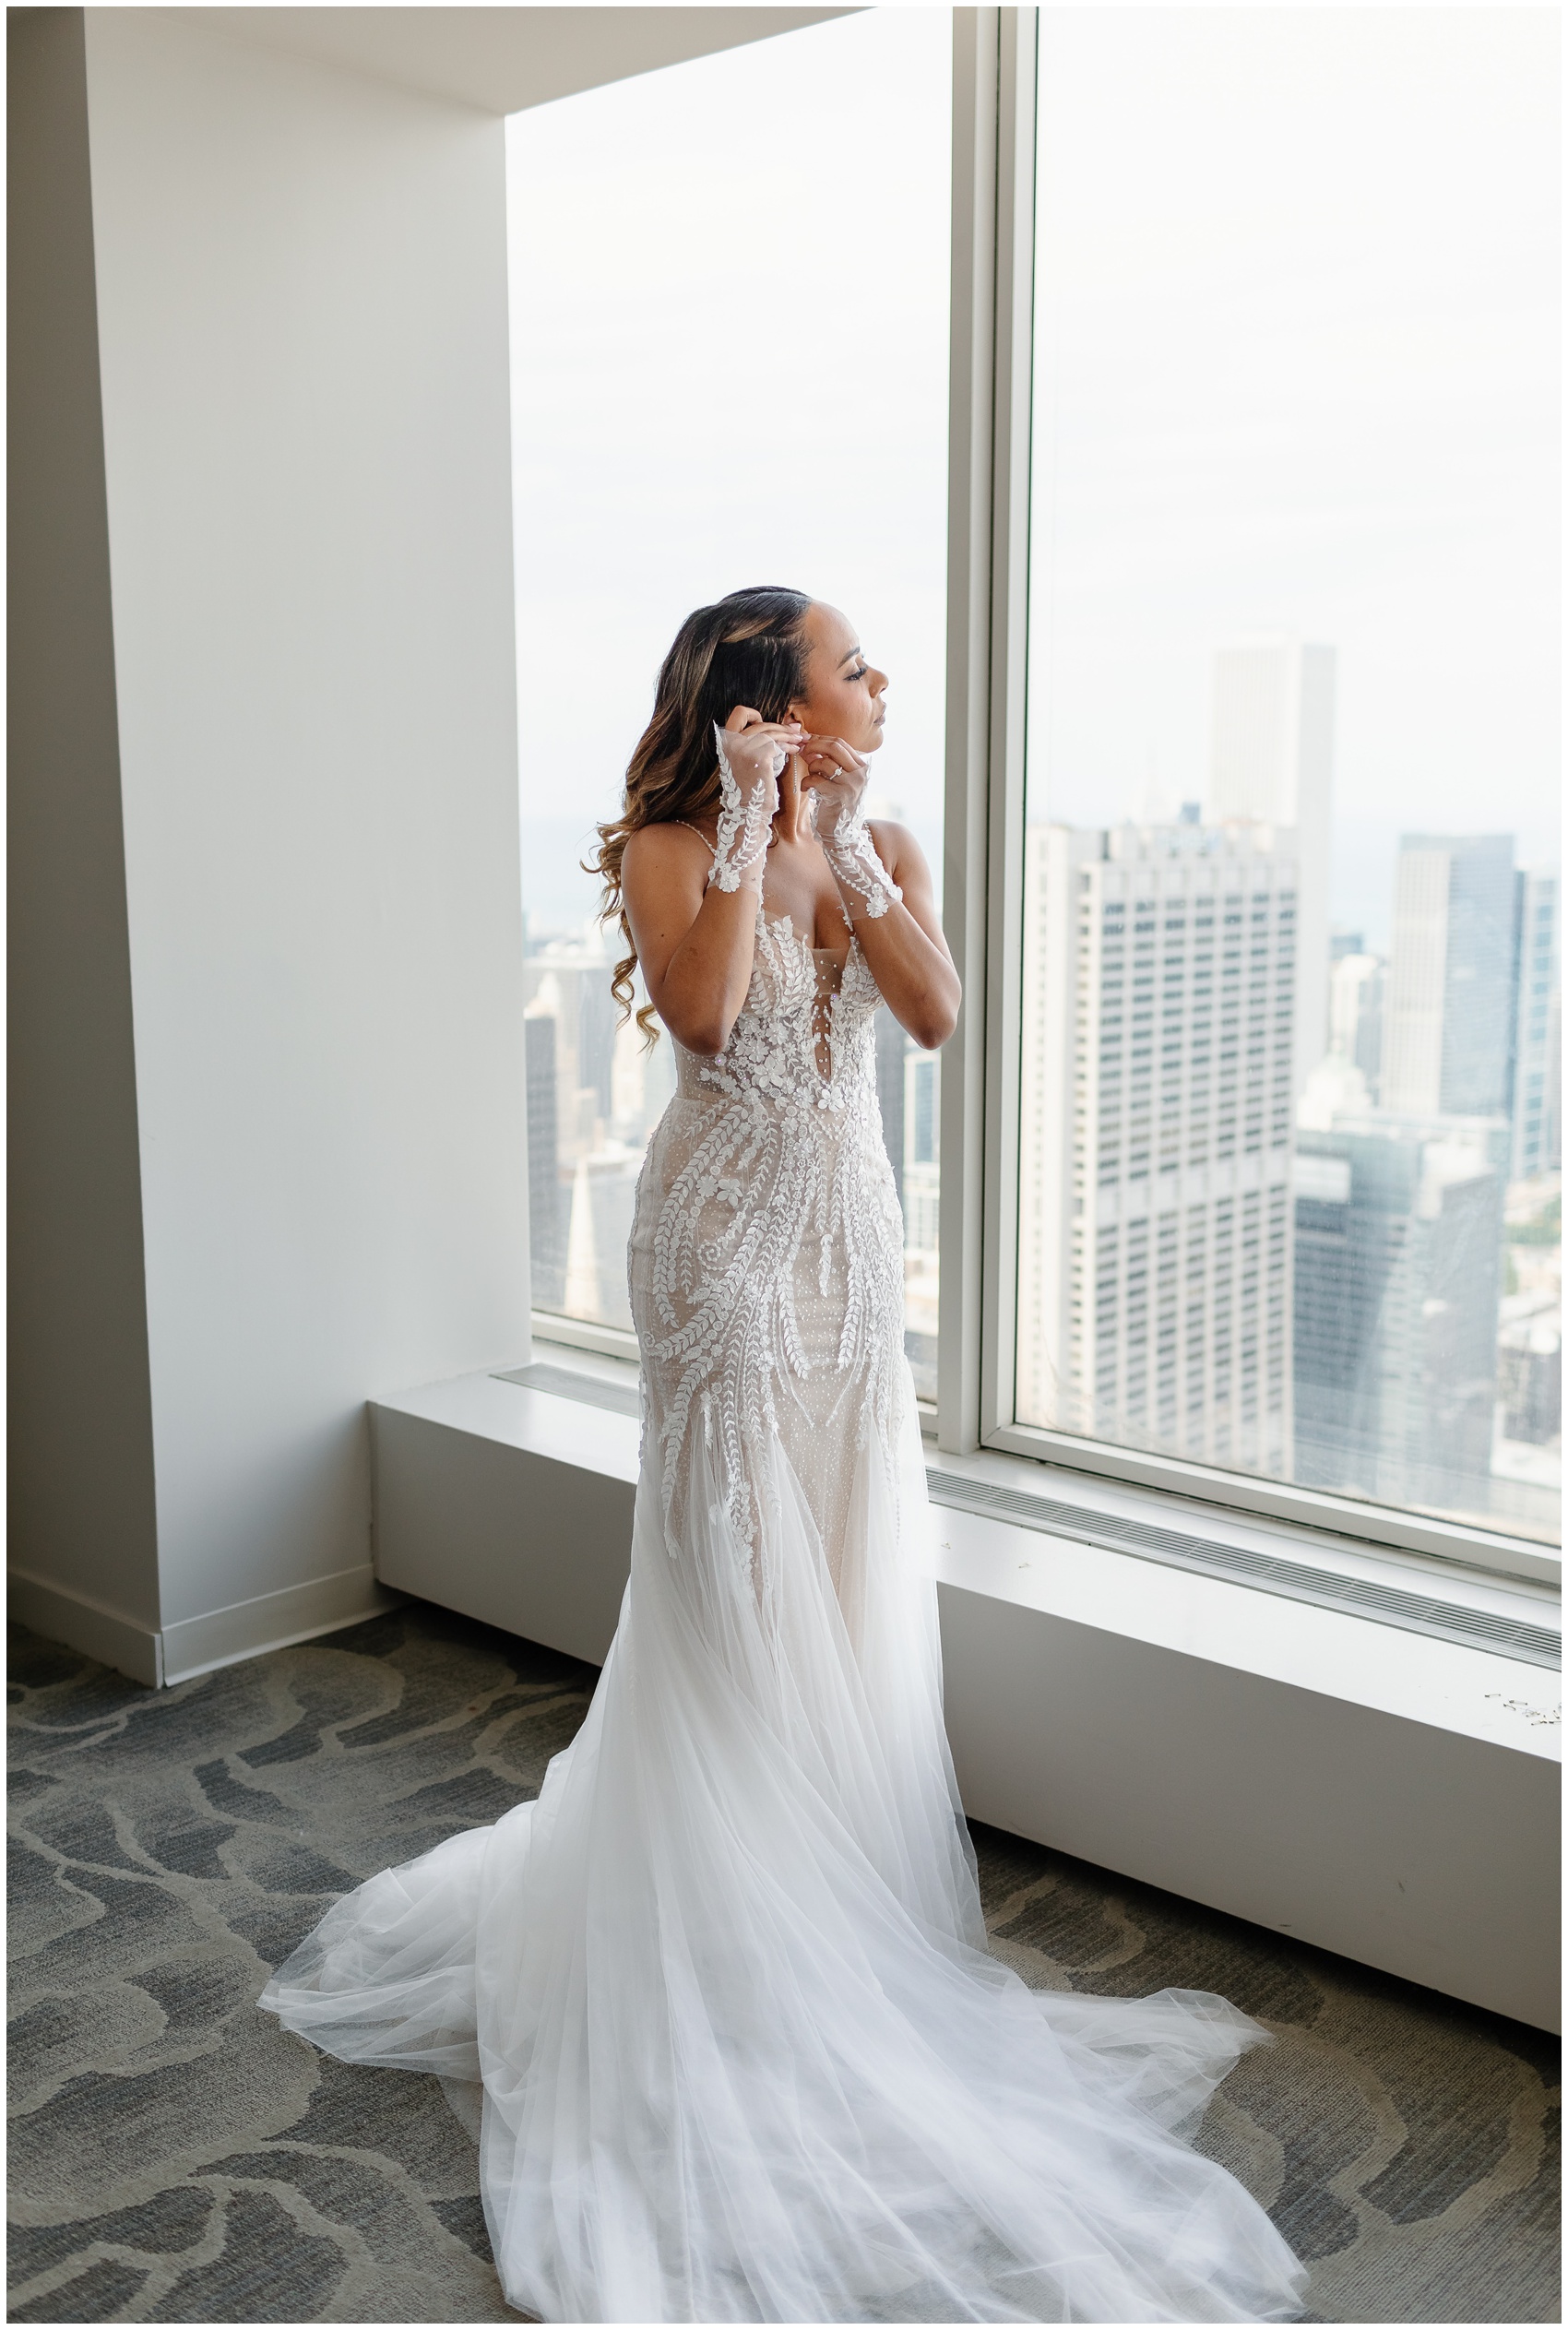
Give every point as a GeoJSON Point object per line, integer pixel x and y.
{"type": "Point", "coordinates": [781, 1222]}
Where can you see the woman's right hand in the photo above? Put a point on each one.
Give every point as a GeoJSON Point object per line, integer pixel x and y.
{"type": "Point", "coordinates": [754, 751]}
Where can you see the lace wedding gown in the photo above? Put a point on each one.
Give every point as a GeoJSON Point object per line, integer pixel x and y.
{"type": "Point", "coordinates": [743, 2055]}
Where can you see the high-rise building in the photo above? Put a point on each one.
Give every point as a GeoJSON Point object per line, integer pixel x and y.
{"type": "Point", "coordinates": [1355, 1014]}
{"type": "Point", "coordinates": [907, 1096]}
{"type": "Point", "coordinates": [1155, 1223]}
{"type": "Point", "coordinates": [1397, 1255]}
{"type": "Point", "coordinates": [642, 1081]}
{"type": "Point", "coordinates": [1529, 1371]}
{"type": "Point", "coordinates": [891, 1044]}
{"type": "Point", "coordinates": [921, 1197]}
{"type": "Point", "coordinates": [546, 1239]}
{"type": "Point", "coordinates": [593, 1095]}
{"type": "Point", "coordinates": [1538, 1079]}
{"type": "Point", "coordinates": [603, 1199]}
{"type": "Point", "coordinates": [923, 1148]}
{"type": "Point", "coordinates": [570, 979]}
{"type": "Point", "coordinates": [1448, 1014]}
{"type": "Point", "coordinates": [1272, 764]}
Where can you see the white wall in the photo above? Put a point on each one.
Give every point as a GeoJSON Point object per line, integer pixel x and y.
{"type": "Point", "coordinates": [269, 1144]}
{"type": "Point", "coordinates": [302, 305]}
{"type": "Point", "coordinates": [80, 1460]}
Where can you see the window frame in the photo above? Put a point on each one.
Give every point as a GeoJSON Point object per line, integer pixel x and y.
{"type": "Point", "coordinates": [991, 384]}
{"type": "Point", "coordinates": [994, 117]}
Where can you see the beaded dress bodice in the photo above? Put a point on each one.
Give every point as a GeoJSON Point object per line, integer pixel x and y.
{"type": "Point", "coordinates": [718, 2004]}
{"type": "Point", "coordinates": [804, 1036]}
{"type": "Point", "coordinates": [767, 1256]}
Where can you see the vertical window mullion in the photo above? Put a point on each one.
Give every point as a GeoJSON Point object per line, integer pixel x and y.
{"type": "Point", "coordinates": [994, 146]}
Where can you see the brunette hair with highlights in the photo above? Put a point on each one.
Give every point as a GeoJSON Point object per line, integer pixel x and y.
{"type": "Point", "coordinates": [749, 647]}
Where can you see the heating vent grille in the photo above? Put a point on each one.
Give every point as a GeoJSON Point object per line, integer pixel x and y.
{"type": "Point", "coordinates": [1419, 1613]}
{"type": "Point", "coordinates": [567, 1382]}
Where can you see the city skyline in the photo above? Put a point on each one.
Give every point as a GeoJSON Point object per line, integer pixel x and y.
{"type": "Point", "coordinates": [1420, 1370]}
{"type": "Point", "coordinates": [1154, 1233]}
{"type": "Point", "coordinates": [1267, 1172]}
{"type": "Point", "coordinates": [1294, 582]}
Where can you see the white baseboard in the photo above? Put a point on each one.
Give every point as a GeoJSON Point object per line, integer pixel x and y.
{"type": "Point", "coordinates": [125, 1644]}
{"type": "Point", "coordinates": [195, 1646]}
{"type": "Point", "coordinates": [271, 1621]}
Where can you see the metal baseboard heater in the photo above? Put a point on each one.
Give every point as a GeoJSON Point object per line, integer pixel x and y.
{"type": "Point", "coordinates": [1211, 1557]}
{"type": "Point", "coordinates": [1332, 1589]}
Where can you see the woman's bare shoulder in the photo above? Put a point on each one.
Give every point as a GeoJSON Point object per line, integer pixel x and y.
{"type": "Point", "coordinates": [896, 845]}
{"type": "Point", "coordinates": [653, 848]}
{"type": "Point", "coordinates": [663, 839]}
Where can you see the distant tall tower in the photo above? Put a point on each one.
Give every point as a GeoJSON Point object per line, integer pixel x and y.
{"type": "Point", "coordinates": [1448, 1017]}
{"type": "Point", "coordinates": [1355, 1014]}
{"type": "Point", "coordinates": [1398, 1246]}
{"type": "Point", "coordinates": [545, 1239]}
{"type": "Point", "coordinates": [892, 1043]}
{"type": "Point", "coordinates": [1154, 1220]}
{"type": "Point", "coordinates": [1273, 762]}
{"type": "Point", "coordinates": [1538, 1087]}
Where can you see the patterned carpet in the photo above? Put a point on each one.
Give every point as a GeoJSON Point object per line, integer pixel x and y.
{"type": "Point", "coordinates": [175, 2157]}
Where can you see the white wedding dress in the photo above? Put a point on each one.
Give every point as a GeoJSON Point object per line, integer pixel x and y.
{"type": "Point", "coordinates": [743, 2054]}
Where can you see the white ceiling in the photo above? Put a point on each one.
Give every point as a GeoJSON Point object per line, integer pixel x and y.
{"type": "Point", "coordinates": [502, 59]}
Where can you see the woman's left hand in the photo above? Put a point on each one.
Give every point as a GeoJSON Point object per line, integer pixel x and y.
{"type": "Point", "coordinates": [835, 774]}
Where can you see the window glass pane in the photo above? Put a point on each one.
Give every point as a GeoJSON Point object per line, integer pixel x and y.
{"type": "Point", "coordinates": [730, 366]}
{"type": "Point", "coordinates": [1291, 1140]}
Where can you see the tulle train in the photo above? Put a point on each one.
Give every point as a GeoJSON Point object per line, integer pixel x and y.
{"type": "Point", "coordinates": [724, 1988]}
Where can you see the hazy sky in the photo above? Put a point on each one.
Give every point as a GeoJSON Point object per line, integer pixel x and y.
{"type": "Point", "coordinates": [1298, 336]}
{"type": "Point", "coordinates": [1297, 370]}
{"type": "Point", "coordinates": [729, 334]}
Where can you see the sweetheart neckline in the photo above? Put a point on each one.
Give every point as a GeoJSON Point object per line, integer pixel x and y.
{"type": "Point", "coordinates": [800, 939]}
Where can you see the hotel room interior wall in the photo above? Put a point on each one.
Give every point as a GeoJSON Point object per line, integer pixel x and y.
{"type": "Point", "coordinates": [301, 294]}
{"type": "Point", "coordinates": [81, 1485]}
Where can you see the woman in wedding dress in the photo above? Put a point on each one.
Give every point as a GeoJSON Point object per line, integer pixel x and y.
{"type": "Point", "coordinates": [724, 1989]}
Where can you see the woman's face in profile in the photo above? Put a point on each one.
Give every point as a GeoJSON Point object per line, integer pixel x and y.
{"type": "Point", "coordinates": [844, 692]}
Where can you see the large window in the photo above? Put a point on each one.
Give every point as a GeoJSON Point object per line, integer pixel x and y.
{"type": "Point", "coordinates": [730, 327]}
{"type": "Point", "coordinates": [1289, 1171]}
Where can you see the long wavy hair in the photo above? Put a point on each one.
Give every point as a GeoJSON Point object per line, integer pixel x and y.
{"type": "Point", "coordinates": [749, 647]}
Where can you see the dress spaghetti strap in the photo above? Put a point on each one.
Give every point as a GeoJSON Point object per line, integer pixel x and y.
{"type": "Point", "coordinates": [697, 830]}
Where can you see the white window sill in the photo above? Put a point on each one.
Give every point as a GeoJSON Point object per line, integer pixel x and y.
{"type": "Point", "coordinates": [1375, 1790]}
{"type": "Point", "coordinates": [1396, 1670]}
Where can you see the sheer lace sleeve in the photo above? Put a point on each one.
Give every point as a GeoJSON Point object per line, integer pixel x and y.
{"type": "Point", "coordinates": [748, 795]}
{"type": "Point", "coordinates": [851, 853]}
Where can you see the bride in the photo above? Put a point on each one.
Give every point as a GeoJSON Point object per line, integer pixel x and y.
{"type": "Point", "coordinates": [743, 2054]}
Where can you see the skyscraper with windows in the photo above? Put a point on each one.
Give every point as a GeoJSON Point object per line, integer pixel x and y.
{"type": "Point", "coordinates": [1155, 1223]}
{"type": "Point", "coordinates": [602, 1201]}
{"type": "Point", "coordinates": [1355, 1014]}
{"type": "Point", "coordinates": [1448, 1017]}
{"type": "Point", "coordinates": [1538, 1027]}
{"type": "Point", "coordinates": [1399, 1227]}
{"type": "Point", "coordinates": [921, 1193]}
{"type": "Point", "coordinates": [546, 1232]}
{"type": "Point", "coordinates": [891, 1044]}
{"type": "Point", "coordinates": [1271, 763]}
{"type": "Point", "coordinates": [593, 1095]}
{"type": "Point", "coordinates": [569, 978]}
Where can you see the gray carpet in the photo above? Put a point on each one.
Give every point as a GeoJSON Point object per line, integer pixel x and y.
{"type": "Point", "coordinates": [175, 2157]}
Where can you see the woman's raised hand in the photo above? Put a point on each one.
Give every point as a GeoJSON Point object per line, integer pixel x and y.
{"type": "Point", "coordinates": [753, 751]}
{"type": "Point", "coordinates": [752, 754]}
{"type": "Point", "coordinates": [836, 776]}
